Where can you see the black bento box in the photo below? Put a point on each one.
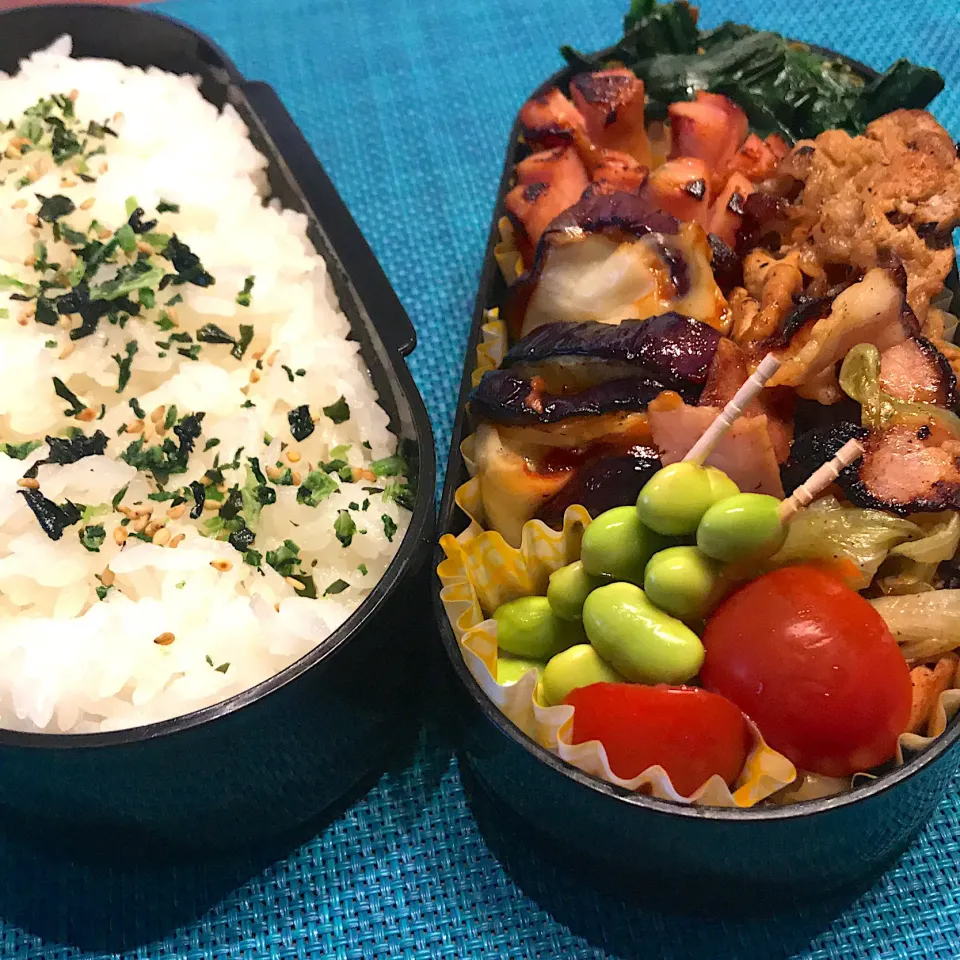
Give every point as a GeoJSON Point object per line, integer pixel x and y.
{"type": "Point", "coordinates": [657, 850]}
{"type": "Point", "coordinates": [277, 755]}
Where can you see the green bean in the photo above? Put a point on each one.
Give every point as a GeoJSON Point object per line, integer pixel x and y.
{"type": "Point", "coordinates": [528, 628]}
{"type": "Point", "coordinates": [511, 669]}
{"type": "Point", "coordinates": [683, 582]}
{"type": "Point", "coordinates": [576, 667]}
{"type": "Point", "coordinates": [744, 527]}
{"type": "Point", "coordinates": [568, 588]}
{"type": "Point", "coordinates": [643, 643]}
{"type": "Point", "coordinates": [675, 498]}
{"type": "Point", "coordinates": [617, 546]}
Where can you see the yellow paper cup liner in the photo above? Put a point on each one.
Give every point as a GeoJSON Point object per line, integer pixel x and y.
{"type": "Point", "coordinates": [482, 571]}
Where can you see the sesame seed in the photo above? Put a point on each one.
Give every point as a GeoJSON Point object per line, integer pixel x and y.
{"type": "Point", "coordinates": [135, 426]}
{"type": "Point", "coordinates": [222, 565]}
{"type": "Point", "coordinates": [257, 354]}
{"type": "Point", "coordinates": [276, 606]}
{"type": "Point", "coordinates": [144, 247]}
{"type": "Point", "coordinates": [161, 537]}
{"type": "Point", "coordinates": [138, 525]}
{"type": "Point", "coordinates": [119, 535]}
{"type": "Point", "coordinates": [211, 506]}
{"type": "Point", "coordinates": [22, 320]}
{"type": "Point", "coordinates": [153, 527]}
{"type": "Point", "coordinates": [107, 577]}
{"type": "Point", "coordinates": [104, 167]}
{"type": "Point", "coordinates": [33, 219]}
{"type": "Point", "coordinates": [87, 204]}
{"type": "Point", "coordinates": [103, 233]}
{"type": "Point", "coordinates": [66, 351]}
{"type": "Point", "coordinates": [117, 117]}
{"type": "Point", "coordinates": [273, 473]}
{"type": "Point", "coordinates": [87, 413]}
{"type": "Point", "coordinates": [293, 456]}
{"type": "Point", "coordinates": [296, 478]}
{"type": "Point", "coordinates": [172, 314]}
{"type": "Point", "coordinates": [65, 322]}
{"type": "Point", "coordinates": [165, 639]}
{"type": "Point", "coordinates": [254, 376]}
{"type": "Point", "coordinates": [13, 153]}
{"type": "Point", "coordinates": [30, 261]}
{"type": "Point", "coordinates": [296, 584]}
{"type": "Point", "coordinates": [29, 482]}
{"type": "Point", "coordinates": [66, 182]}
{"type": "Point", "coordinates": [19, 204]}
{"type": "Point", "coordinates": [221, 488]}
{"type": "Point", "coordinates": [272, 357]}
{"type": "Point", "coordinates": [73, 95]}
{"type": "Point", "coordinates": [245, 390]}
{"type": "Point", "coordinates": [206, 481]}
{"type": "Point", "coordinates": [158, 414]}
{"type": "Point", "coordinates": [33, 174]}
{"type": "Point", "coordinates": [175, 513]}
{"type": "Point", "coordinates": [177, 540]}
{"type": "Point", "coordinates": [127, 511]}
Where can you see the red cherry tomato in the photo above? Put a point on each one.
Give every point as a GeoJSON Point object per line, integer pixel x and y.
{"type": "Point", "coordinates": [814, 666]}
{"type": "Point", "coordinates": [689, 732]}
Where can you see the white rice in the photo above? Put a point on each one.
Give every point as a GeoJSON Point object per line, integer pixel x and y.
{"type": "Point", "coordinates": [70, 661]}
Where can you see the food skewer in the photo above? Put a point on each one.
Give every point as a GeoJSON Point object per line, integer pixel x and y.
{"type": "Point", "coordinates": [715, 432]}
{"type": "Point", "coordinates": [820, 479]}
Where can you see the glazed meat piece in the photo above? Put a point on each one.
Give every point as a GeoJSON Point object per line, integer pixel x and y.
{"type": "Point", "coordinates": [547, 184]}
{"type": "Point", "coordinates": [757, 159]}
{"type": "Point", "coordinates": [726, 214]}
{"type": "Point", "coordinates": [916, 371]}
{"type": "Point", "coordinates": [871, 311]}
{"type": "Point", "coordinates": [613, 257]}
{"type": "Point", "coordinates": [550, 120]}
{"type": "Point", "coordinates": [602, 482]}
{"type": "Point", "coordinates": [611, 103]}
{"type": "Point", "coordinates": [896, 188]}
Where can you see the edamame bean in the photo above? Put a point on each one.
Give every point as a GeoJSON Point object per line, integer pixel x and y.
{"type": "Point", "coordinates": [511, 669]}
{"type": "Point", "coordinates": [528, 628]}
{"type": "Point", "coordinates": [675, 498]}
{"type": "Point", "coordinates": [684, 582]}
{"type": "Point", "coordinates": [576, 667]}
{"type": "Point", "coordinates": [568, 588]}
{"type": "Point", "coordinates": [643, 643]}
{"type": "Point", "coordinates": [617, 546]}
{"type": "Point", "coordinates": [744, 527]}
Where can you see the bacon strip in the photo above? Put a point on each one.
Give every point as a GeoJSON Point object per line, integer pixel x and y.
{"type": "Point", "coordinates": [746, 454]}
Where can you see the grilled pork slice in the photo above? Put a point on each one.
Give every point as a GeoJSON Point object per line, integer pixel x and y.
{"type": "Point", "coordinates": [618, 172]}
{"type": "Point", "coordinates": [611, 103]}
{"type": "Point", "coordinates": [915, 370]}
{"type": "Point", "coordinates": [746, 453]}
{"type": "Point", "coordinates": [726, 214]}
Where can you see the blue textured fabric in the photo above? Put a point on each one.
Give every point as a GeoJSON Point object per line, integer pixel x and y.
{"type": "Point", "coordinates": [408, 103]}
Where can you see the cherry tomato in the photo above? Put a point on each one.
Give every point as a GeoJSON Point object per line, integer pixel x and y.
{"type": "Point", "coordinates": [814, 666]}
{"type": "Point", "coordinates": [689, 732]}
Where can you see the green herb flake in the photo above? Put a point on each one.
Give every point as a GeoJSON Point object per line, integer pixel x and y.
{"type": "Point", "coordinates": [211, 443]}
{"type": "Point", "coordinates": [55, 207]}
{"type": "Point", "coordinates": [316, 487]}
{"type": "Point", "coordinates": [389, 527]}
{"type": "Point", "coordinates": [363, 569]}
{"type": "Point", "coordinates": [92, 537]}
{"type": "Point", "coordinates": [244, 296]}
{"type": "Point", "coordinates": [118, 497]}
{"type": "Point", "coordinates": [20, 451]}
{"type": "Point", "coordinates": [125, 364]}
{"type": "Point", "coordinates": [338, 586]}
{"type": "Point", "coordinates": [338, 412]}
{"type": "Point", "coordinates": [126, 238]}
{"type": "Point", "coordinates": [240, 347]}
{"type": "Point", "coordinates": [164, 206]}
{"type": "Point", "coordinates": [138, 411]}
{"type": "Point", "coordinates": [252, 558]}
{"type": "Point", "coordinates": [394, 466]}
{"type": "Point", "coordinates": [65, 393]}
{"type": "Point", "coordinates": [344, 528]}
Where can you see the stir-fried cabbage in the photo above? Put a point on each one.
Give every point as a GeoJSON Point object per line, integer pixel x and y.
{"type": "Point", "coordinates": [923, 620]}
{"type": "Point", "coordinates": [911, 566]}
{"type": "Point", "coordinates": [828, 531]}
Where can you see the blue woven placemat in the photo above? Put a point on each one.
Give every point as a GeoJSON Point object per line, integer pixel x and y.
{"type": "Point", "coordinates": [408, 104]}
